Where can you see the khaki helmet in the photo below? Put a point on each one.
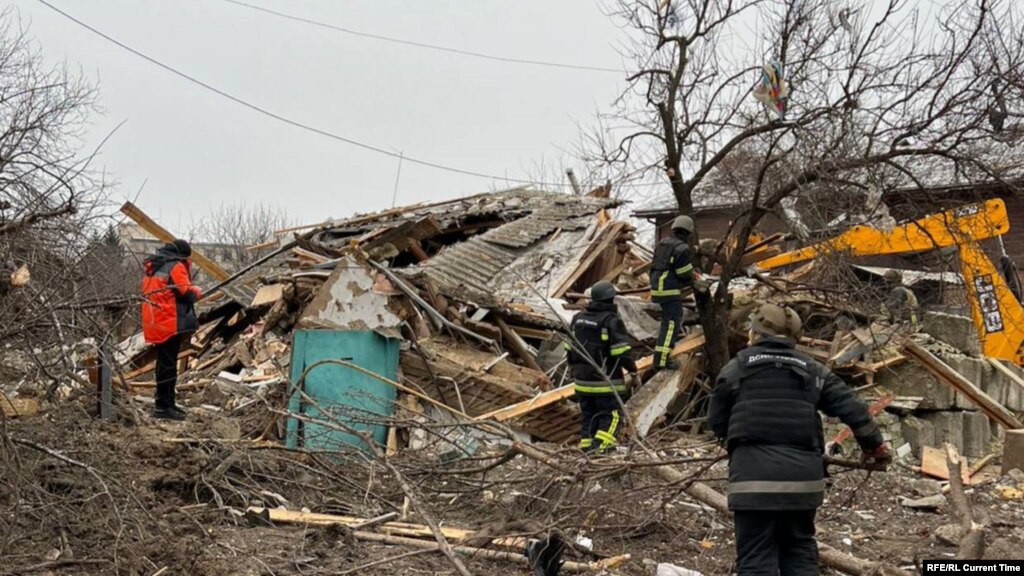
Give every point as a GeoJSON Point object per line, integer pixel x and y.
{"type": "Point", "coordinates": [603, 291]}
{"type": "Point", "coordinates": [774, 320]}
{"type": "Point", "coordinates": [683, 223]}
{"type": "Point", "coordinates": [893, 277]}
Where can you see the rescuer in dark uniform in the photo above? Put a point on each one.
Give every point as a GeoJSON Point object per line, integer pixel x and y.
{"type": "Point", "coordinates": [765, 408]}
{"type": "Point", "coordinates": [671, 273]}
{"type": "Point", "coordinates": [598, 355]}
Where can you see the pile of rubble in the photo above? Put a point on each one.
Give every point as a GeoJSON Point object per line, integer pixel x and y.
{"type": "Point", "coordinates": [428, 340]}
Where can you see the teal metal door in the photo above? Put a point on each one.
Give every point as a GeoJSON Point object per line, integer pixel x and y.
{"type": "Point", "coordinates": [357, 400]}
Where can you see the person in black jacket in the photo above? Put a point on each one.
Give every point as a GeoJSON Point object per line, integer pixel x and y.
{"type": "Point", "coordinates": [598, 354]}
{"type": "Point", "coordinates": [671, 273]}
{"type": "Point", "coordinates": [765, 409]}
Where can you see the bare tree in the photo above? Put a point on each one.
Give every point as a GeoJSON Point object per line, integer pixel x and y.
{"type": "Point", "coordinates": [882, 96]}
{"type": "Point", "coordinates": [49, 198]}
{"type": "Point", "coordinates": [240, 230]}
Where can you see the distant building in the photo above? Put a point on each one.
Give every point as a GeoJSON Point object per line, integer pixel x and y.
{"type": "Point", "coordinates": [140, 244]}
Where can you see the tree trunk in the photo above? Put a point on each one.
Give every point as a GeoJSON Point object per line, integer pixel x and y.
{"type": "Point", "coordinates": [714, 318]}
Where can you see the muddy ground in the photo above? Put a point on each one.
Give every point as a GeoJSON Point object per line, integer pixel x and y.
{"type": "Point", "coordinates": [80, 496]}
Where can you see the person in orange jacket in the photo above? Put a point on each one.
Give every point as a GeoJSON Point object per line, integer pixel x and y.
{"type": "Point", "coordinates": [168, 318]}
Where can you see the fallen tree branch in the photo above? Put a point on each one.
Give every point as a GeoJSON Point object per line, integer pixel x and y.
{"type": "Point", "coordinates": [972, 539]}
{"type": "Point", "coordinates": [517, 558]}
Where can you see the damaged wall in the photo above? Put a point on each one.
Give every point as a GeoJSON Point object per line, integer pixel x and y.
{"type": "Point", "coordinates": [352, 299]}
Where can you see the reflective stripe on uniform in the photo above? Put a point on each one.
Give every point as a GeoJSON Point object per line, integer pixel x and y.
{"type": "Point", "coordinates": [607, 437]}
{"type": "Point", "coordinates": [567, 346]}
{"type": "Point", "coordinates": [666, 346]}
{"type": "Point", "coordinates": [600, 387]}
{"type": "Point", "coordinates": [684, 270]}
{"type": "Point", "coordinates": [620, 350]}
{"type": "Point", "coordinates": [776, 486]}
{"type": "Point", "coordinates": [586, 443]}
{"type": "Point", "coordinates": [604, 335]}
{"type": "Point", "coordinates": [661, 283]}
{"type": "Point", "coordinates": [615, 423]}
{"type": "Point", "coordinates": [657, 293]}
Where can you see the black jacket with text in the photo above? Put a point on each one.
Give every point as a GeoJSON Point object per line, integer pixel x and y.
{"type": "Point", "coordinates": [765, 408]}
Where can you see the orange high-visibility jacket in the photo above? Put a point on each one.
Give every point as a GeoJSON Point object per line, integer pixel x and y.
{"type": "Point", "coordinates": [168, 306]}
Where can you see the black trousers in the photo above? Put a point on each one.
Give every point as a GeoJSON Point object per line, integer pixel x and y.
{"type": "Point", "coordinates": [668, 335]}
{"type": "Point", "coordinates": [599, 421]}
{"type": "Point", "coordinates": [167, 371]}
{"type": "Point", "coordinates": [776, 542]}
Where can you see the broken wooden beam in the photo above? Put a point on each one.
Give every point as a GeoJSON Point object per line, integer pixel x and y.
{"type": "Point", "coordinates": [1005, 371]}
{"type": "Point", "coordinates": [515, 341]}
{"type": "Point", "coordinates": [684, 346]}
{"type": "Point", "coordinates": [944, 373]}
{"type": "Point", "coordinates": [514, 557]}
{"type": "Point", "coordinates": [160, 233]}
{"type": "Point", "coordinates": [527, 406]}
{"type": "Point", "coordinates": [387, 527]}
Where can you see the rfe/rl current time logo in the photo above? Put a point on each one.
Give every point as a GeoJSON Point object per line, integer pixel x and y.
{"type": "Point", "coordinates": [988, 303]}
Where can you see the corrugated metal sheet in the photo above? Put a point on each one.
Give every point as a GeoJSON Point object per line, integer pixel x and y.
{"type": "Point", "coordinates": [473, 264]}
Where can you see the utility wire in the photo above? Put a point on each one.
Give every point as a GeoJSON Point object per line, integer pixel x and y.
{"type": "Point", "coordinates": [284, 119]}
{"type": "Point", "coordinates": [448, 49]}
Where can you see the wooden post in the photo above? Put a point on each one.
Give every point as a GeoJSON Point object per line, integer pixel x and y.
{"type": "Point", "coordinates": [575, 183]}
{"type": "Point", "coordinates": [105, 382]}
{"type": "Point", "coordinates": [518, 345]}
{"type": "Point", "coordinates": [943, 372]}
{"type": "Point", "coordinates": [160, 233]}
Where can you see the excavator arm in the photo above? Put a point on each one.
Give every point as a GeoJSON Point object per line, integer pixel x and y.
{"type": "Point", "coordinates": [997, 314]}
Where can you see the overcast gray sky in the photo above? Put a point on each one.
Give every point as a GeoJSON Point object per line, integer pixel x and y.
{"type": "Point", "coordinates": [198, 150]}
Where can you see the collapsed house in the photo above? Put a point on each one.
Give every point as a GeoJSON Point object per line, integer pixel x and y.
{"type": "Point", "coordinates": [437, 330]}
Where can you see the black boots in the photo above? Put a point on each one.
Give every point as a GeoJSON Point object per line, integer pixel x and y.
{"type": "Point", "coordinates": [172, 413]}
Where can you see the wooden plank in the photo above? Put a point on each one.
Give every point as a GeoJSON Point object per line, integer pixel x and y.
{"type": "Point", "coordinates": [933, 463]}
{"type": "Point", "coordinates": [395, 528]}
{"type": "Point", "coordinates": [688, 344]}
{"type": "Point", "coordinates": [943, 372]}
{"type": "Point", "coordinates": [762, 243]}
{"type": "Point", "coordinates": [416, 249]}
{"type": "Point", "coordinates": [152, 365]}
{"type": "Point", "coordinates": [527, 406]}
{"type": "Point", "coordinates": [308, 255]}
{"type": "Point", "coordinates": [160, 233]}
{"type": "Point", "coordinates": [606, 239]}
{"type": "Point", "coordinates": [763, 254]}
{"type": "Point", "coordinates": [1010, 374]}
{"type": "Point", "coordinates": [13, 407]}
{"type": "Point", "coordinates": [518, 346]}
{"type": "Point", "coordinates": [535, 333]}
{"type": "Point", "coordinates": [268, 294]}
{"type": "Point", "coordinates": [891, 361]}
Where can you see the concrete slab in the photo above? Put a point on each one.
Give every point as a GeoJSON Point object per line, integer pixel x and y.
{"type": "Point", "coordinates": [1013, 450]}
{"type": "Point", "coordinates": [918, 433]}
{"type": "Point", "coordinates": [973, 369]}
{"type": "Point", "coordinates": [977, 434]}
{"type": "Point", "coordinates": [908, 379]}
{"type": "Point", "coordinates": [949, 427]}
{"type": "Point", "coordinates": [957, 331]}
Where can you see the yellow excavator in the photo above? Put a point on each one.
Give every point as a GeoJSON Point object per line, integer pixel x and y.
{"type": "Point", "coordinates": [995, 308]}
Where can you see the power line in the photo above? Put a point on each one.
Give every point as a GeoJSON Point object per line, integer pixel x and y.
{"type": "Point", "coordinates": [284, 119]}
{"type": "Point", "coordinates": [506, 59]}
